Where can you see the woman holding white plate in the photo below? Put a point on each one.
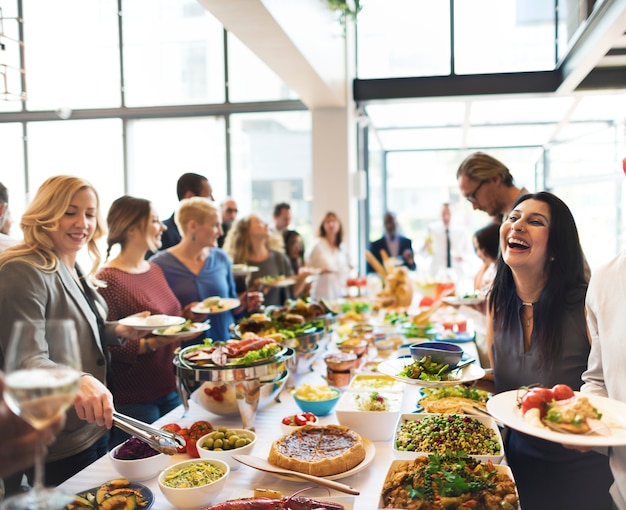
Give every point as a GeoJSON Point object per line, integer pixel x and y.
{"type": "Point", "coordinates": [133, 285]}
{"type": "Point", "coordinates": [196, 268]}
{"type": "Point", "coordinates": [536, 334]}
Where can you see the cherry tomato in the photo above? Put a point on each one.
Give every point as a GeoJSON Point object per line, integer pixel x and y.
{"type": "Point", "coordinates": [300, 420]}
{"type": "Point", "coordinates": [287, 420]}
{"type": "Point", "coordinates": [426, 301]}
{"type": "Point", "coordinates": [310, 417]}
{"type": "Point", "coordinates": [546, 393]}
{"type": "Point", "coordinates": [533, 400]}
{"type": "Point", "coordinates": [562, 391]}
{"type": "Point", "coordinates": [172, 427]}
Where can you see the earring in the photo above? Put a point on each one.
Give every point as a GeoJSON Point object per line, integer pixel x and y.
{"type": "Point", "coordinates": [552, 259]}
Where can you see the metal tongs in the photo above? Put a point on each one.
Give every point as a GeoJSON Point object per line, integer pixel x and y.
{"type": "Point", "coordinates": [163, 441]}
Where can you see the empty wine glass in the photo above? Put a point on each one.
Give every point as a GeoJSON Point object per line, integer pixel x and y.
{"type": "Point", "coordinates": [42, 366]}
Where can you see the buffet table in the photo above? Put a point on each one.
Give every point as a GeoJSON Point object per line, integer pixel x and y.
{"type": "Point", "coordinates": [244, 480]}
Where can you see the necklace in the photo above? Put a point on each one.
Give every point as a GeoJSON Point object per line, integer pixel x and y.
{"type": "Point", "coordinates": [527, 319]}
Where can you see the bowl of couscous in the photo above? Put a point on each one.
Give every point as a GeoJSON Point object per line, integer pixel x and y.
{"type": "Point", "coordinates": [424, 433]}
{"type": "Point", "coordinates": [193, 484]}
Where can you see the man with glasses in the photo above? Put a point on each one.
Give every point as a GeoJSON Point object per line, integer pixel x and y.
{"type": "Point", "coordinates": [229, 214]}
{"type": "Point", "coordinates": [488, 185]}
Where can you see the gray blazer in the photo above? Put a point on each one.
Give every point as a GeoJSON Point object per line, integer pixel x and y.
{"type": "Point", "coordinates": [30, 294]}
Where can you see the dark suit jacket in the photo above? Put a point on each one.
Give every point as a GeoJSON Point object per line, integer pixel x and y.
{"type": "Point", "coordinates": [381, 244]}
{"type": "Point", "coordinates": [171, 237]}
{"type": "Point", "coordinates": [26, 293]}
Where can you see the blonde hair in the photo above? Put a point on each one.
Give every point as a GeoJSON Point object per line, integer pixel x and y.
{"type": "Point", "coordinates": [238, 244]}
{"type": "Point", "coordinates": [125, 213]}
{"type": "Point", "coordinates": [194, 208]}
{"type": "Point", "coordinates": [42, 216]}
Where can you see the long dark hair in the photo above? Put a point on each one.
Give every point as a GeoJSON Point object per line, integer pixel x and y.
{"type": "Point", "coordinates": [565, 286]}
{"type": "Point", "coordinates": [322, 230]}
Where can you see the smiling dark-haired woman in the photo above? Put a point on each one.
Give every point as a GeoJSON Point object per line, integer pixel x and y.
{"type": "Point", "coordinates": [536, 333]}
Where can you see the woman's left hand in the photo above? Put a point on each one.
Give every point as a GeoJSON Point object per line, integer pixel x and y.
{"type": "Point", "coordinates": [94, 402]}
{"type": "Point", "coordinates": [252, 300]}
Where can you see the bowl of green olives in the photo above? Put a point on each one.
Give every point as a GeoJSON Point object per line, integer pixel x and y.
{"type": "Point", "coordinates": [224, 442]}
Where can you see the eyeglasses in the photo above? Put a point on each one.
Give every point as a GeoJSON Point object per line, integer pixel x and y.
{"type": "Point", "coordinates": [231, 210]}
{"type": "Point", "coordinates": [471, 198]}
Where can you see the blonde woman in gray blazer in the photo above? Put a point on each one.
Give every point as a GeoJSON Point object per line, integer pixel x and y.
{"type": "Point", "coordinates": [40, 280]}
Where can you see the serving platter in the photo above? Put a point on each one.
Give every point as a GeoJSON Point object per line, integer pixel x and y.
{"type": "Point", "coordinates": [225, 305]}
{"type": "Point", "coordinates": [393, 367]}
{"type": "Point", "coordinates": [151, 321]}
{"type": "Point", "coordinates": [504, 407]}
{"type": "Point", "coordinates": [370, 453]}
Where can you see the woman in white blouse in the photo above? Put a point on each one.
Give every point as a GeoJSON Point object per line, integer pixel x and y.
{"type": "Point", "coordinates": [328, 256]}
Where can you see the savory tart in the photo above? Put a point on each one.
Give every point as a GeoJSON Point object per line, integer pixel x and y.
{"type": "Point", "coordinates": [319, 451]}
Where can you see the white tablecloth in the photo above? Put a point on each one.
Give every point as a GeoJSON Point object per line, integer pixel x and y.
{"type": "Point", "coordinates": [244, 480]}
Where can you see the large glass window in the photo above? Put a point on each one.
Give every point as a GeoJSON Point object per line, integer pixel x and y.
{"type": "Point", "coordinates": [12, 176]}
{"type": "Point", "coordinates": [399, 38]}
{"type": "Point", "coordinates": [249, 79]}
{"type": "Point", "coordinates": [71, 54]}
{"type": "Point", "coordinates": [173, 53]}
{"type": "Point", "coordinates": [161, 150]}
{"type": "Point", "coordinates": [271, 163]}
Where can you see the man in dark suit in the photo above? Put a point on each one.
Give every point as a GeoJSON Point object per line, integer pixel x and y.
{"type": "Point", "coordinates": [393, 243]}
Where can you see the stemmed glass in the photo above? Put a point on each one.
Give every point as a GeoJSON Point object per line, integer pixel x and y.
{"type": "Point", "coordinates": [42, 366]}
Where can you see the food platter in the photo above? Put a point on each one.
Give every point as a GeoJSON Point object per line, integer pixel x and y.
{"type": "Point", "coordinates": [503, 407]}
{"type": "Point", "coordinates": [243, 269]}
{"type": "Point", "coordinates": [370, 452]}
{"type": "Point", "coordinates": [225, 305]}
{"type": "Point", "coordinates": [151, 321]}
{"type": "Point", "coordinates": [459, 301]}
{"type": "Point", "coordinates": [191, 330]}
{"type": "Point", "coordinates": [393, 367]}
{"type": "Point", "coordinates": [145, 492]}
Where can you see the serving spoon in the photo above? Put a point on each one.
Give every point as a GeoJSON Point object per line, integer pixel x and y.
{"type": "Point", "coordinates": [264, 465]}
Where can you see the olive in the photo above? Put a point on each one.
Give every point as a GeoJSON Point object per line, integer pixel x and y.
{"type": "Point", "coordinates": [218, 443]}
{"type": "Point", "coordinates": [240, 442]}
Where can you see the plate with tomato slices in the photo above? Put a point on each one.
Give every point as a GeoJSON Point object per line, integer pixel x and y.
{"type": "Point", "coordinates": [506, 407]}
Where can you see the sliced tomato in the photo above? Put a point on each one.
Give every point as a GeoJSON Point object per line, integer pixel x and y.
{"type": "Point", "coordinates": [200, 428]}
{"type": "Point", "coordinates": [185, 434]}
{"type": "Point", "coordinates": [192, 448]}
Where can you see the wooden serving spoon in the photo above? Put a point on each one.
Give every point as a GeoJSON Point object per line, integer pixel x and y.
{"type": "Point", "coordinates": [263, 465]}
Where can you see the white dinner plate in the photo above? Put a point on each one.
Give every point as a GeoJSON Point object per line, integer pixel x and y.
{"type": "Point", "coordinates": [370, 452]}
{"type": "Point", "coordinates": [190, 331]}
{"type": "Point", "coordinates": [393, 367]}
{"type": "Point", "coordinates": [225, 305]}
{"type": "Point", "coordinates": [151, 321]}
{"type": "Point", "coordinates": [243, 269]}
{"type": "Point", "coordinates": [458, 301]}
{"type": "Point", "coordinates": [504, 407]}
{"type": "Point", "coordinates": [287, 281]}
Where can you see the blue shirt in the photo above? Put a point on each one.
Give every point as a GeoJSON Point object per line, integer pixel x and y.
{"type": "Point", "coordinates": [215, 279]}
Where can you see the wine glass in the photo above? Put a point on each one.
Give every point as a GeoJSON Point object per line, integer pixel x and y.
{"type": "Point", "coordinates": [42, 366]}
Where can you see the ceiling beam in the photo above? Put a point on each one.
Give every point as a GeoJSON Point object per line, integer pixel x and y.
{"type": "Point", "coordinates": [300, 40]}
{"type": "Point", "coordinates": [599, 33]}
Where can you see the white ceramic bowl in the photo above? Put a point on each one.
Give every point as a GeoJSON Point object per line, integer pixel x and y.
{"type": "Point", "coordinates": [485, 420]}
{"type": "Point", "coordinates": [227, 455]}
{"type": "Point", "coordinates": [374, 425]}
{"type": "Point", "coordinates": [194, 498]}
{"type": "Point", "coordinates": [139, 470]}
{"type": "Point", "coordinates": [288, 429]}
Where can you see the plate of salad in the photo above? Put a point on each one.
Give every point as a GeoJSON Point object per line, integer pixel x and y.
{"type": "Point", "coordinates": [186, 330]}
